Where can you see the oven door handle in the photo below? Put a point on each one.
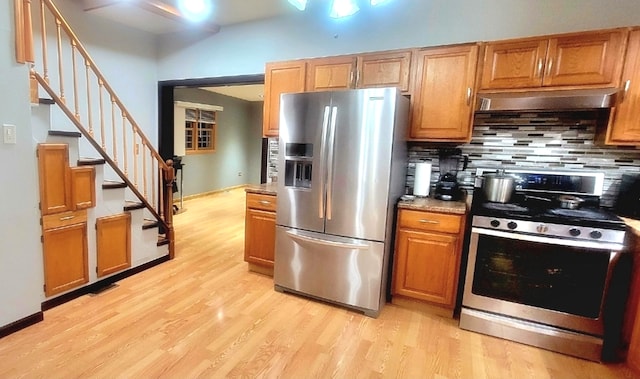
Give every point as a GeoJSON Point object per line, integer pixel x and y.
{"type": "Point", "coordinates": [611, 246]}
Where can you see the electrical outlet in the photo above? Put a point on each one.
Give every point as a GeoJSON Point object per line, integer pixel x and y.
{"type": "Point", "coordinates": [239, 173]}
{"type": "Point", "coordinates": [9, 133]}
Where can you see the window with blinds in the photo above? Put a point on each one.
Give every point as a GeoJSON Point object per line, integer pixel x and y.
{"type": "Point", "coordinates": [200, 131]}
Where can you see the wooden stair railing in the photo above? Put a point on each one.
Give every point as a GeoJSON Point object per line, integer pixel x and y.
{"type": "Point", "coordinates": [92, 106]}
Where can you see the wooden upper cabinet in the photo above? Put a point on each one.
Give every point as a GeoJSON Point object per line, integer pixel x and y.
{"type": "Point", "coordinates": [331, 73]}
{"type": "Point", "coordinates": [280, 77]}
{"type": "Point", "coordinates": [513, 64]}
{"type": "Point", "coordinates": [386, 69]}
{"type": "Point", "coordinates": [585, 59]}
{"type": "Point", "coordinates": [579, 59]}
{"type": "Point", "coordinates": [624, 124]}
{"type": "Point", "coordinates": [442, 102]}
{"type": "Point", "coordinates": [381, 69]}
{"type": "Point", "coordinates": [54, 177]}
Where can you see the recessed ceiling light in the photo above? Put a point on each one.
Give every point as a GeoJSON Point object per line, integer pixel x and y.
{"type": "Point", "coordinates": [195, 10]}
{"type": "Point", "coordinates": [343, 8]}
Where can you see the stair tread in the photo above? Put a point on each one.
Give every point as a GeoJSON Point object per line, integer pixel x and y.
{"type": "Point", "coordinates": [149, 224]}
{"type": "Point", "coordinates": [64, 133]}
{"type": "Point", "coordinates": [162, 241]}
{"type": "Point", "coordinates": [130, 205]}
{"type": "Point", "coordinates": [109, 184]}
{"type": "Point", "coordinates": [84, 161]}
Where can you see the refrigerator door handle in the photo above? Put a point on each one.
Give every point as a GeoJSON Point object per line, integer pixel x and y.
{"type": "Point", "coordinates": [343, 245]}
{"type": "Point", "coordinates": [323, 145]}
{"type": "Point", "coordinates": [332, 137]}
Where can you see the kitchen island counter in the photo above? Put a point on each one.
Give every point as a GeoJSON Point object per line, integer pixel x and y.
{"type": "Point", "coordinates": [434, 205]}
{"type": "Point", "coordinates": [262, 189]}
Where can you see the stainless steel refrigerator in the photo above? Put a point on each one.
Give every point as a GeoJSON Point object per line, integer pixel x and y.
{"type": "Point", "coordinates": [341, 169]}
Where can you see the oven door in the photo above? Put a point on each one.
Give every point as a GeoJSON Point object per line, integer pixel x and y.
{"type": "Point", "coordinates": [545, 280]}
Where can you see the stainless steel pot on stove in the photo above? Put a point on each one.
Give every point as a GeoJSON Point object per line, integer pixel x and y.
{"type": "Point", "coordinates": [570, 202]}
{"type": "Point", "coordinates": [498, 187]}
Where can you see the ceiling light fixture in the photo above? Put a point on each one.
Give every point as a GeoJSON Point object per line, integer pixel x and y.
{"type": "Point", "coordinates": [339, 8]}
{"type": "Point", "coordinates": [343, 8]}
{"type": "Point", "coordinates": [300, 4]}
{"type": "Point", "coordinates": [195, 10]}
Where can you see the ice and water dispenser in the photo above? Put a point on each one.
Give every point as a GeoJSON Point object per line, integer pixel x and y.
{"type": "Point", "coordinates": [298, 164]}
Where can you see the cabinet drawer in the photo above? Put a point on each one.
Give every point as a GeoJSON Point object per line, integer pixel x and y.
{"type": "Point", "coordinates": [259, 201]}
{"type": "Point", "coordinates": [58, 220]}
{"type": "Point", "coordinates": [436, 222]}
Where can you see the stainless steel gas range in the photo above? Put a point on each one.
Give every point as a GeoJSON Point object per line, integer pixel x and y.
{"type": "Point", "coordinates": [545, 275]}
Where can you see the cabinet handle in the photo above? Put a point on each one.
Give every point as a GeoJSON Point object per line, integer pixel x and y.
{"type": "Point", "coordinates": [539, 72]}
{"type": "Point", "coordinates": [264, 202]}
{"type": "Point", "coordinates": [423, 221]}
{"type": "Point", "coordinates": [468, 95]}
{"type": "Point", "coordinates": [66, 218]}
{"type": "Point", "coordinates": [357, 78]}
{"type": "Point", "coordinates": [549, 65]}
{"type": "Point", "coordinates": [351, 77]}
{"type": "Point", "coordinates": [627, 84]}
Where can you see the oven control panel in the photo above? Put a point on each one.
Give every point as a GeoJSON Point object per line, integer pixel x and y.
{"type": "Point", "coordinates": [544, 229]}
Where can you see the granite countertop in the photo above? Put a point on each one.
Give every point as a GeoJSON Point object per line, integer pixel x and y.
{"type": "Point", "coordinates": [263, 189]}
{"type": "Point", "coordinates": [434, 205]}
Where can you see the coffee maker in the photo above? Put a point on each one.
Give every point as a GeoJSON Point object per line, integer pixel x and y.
{"type": "Point", "coordinates": [447, 187]}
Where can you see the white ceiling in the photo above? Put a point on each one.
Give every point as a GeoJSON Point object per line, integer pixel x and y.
{"type": "Point", "coordinates": [249, 92]}
{"type": "Point", "coordinates": [162, 16]}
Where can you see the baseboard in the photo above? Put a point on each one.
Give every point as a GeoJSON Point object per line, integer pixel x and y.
{"type": "Point", "coordinates": [209, 193]}
{"type": "Point", "coordinates": [97, 286]}
{"type": "Point", "coordinates": [21, 324]}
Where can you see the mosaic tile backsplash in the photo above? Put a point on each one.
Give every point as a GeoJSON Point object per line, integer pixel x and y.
{"type": "Point", "coordinates": [547, 141]}
{"type": "Point", "coordinates": [541, 141]}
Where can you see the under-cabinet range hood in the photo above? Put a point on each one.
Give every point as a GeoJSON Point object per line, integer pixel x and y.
{"type": "Point", "coordinates": [599, 98]}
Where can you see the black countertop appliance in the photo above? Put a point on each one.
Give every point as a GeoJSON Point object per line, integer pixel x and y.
{"type": "Point", "coordinates": [447, 187]}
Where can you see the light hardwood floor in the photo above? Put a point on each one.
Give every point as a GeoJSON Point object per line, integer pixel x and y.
{"type": "Point", "coordinates": [204, 315]}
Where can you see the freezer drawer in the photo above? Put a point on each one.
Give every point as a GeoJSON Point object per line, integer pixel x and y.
{"type": "Point", "coordinates": [337, 269]}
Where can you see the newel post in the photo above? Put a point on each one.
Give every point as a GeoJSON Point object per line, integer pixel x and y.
{"type": "Point", "coordinates": [168, 178]}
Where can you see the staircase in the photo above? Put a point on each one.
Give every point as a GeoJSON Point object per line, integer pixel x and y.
{"type": "Point", "coordinates": [74, 104]}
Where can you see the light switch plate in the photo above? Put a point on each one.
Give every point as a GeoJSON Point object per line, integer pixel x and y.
{"type": "Point", "coordinates": [9, 133]}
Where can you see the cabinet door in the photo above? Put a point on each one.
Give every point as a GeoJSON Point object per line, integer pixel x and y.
{"type": "Point", "coordinates": [260, 237]}
{"type": "Point", "coordinates": [585, 59]}
{"type": "Point", "coordinates": [331, 73]}
{"type": "Point", "coordinates": [54, 177]}
{"type": "Point", "coordinates": [442, 102]}
{"type": "Point", "coordinates": [389, 69]}
{"type": "Point", "coordinates": [65, 258]}
{"type": "Point", "coordinates": [426, 266]}
{"type": "Point", "coordinates": [280, 77]}
{"type": "Point", "coordinates": [624, 127]}
{"type": "Point", "coordinates": [83, 187]}
{"type": "Point", "coordinates": [113, 238]}
{"type": "Point", "coordinates": [513, 64]}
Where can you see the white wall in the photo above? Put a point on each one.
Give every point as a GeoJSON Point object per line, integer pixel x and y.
{"type": "Point", "coordinates": [21, 272]}
{"type": "Point", "coordinates": [244, 49]}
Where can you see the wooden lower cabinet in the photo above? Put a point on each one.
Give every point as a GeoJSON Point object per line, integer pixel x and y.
{"type": "Point", "coordinates": [113, 239]}
{"type": "Point", "coordinates": [65, 251]}
{"type": "Point", "coordinates": [427, 256]}
{"type": "Point", "coordinates": [83, 187]}
{"type": "Point", "coordinates": [260, 231]}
